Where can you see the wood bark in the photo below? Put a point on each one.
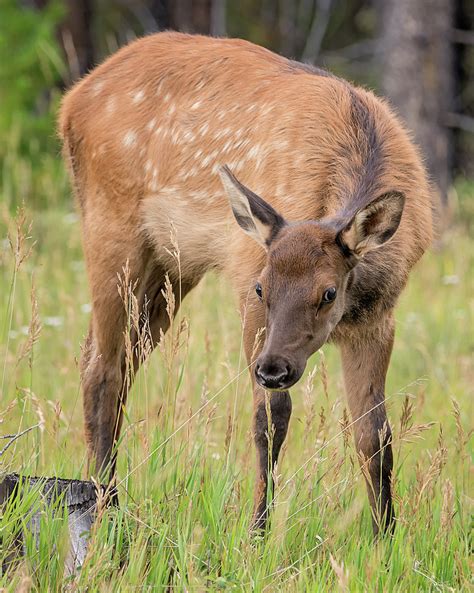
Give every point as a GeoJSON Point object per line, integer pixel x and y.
{"type": "Point", "coordinates": [417, 74]}
{"type": "Point", "coordinates": [79, 497]}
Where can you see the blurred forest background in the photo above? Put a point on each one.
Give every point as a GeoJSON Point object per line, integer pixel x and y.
{"type": "Point", "coordinates": [419, 53]}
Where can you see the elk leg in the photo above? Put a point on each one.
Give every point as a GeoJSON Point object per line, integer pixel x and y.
{"type": "Point", "coordinates": [269, 433]}
{"type": "Point", "coordinates": [365, 362]}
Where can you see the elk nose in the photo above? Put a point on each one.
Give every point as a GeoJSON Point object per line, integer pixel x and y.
{"type": "Point", "coordinates": [272, 376]}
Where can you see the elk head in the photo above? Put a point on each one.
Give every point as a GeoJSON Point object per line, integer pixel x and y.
{"type": "Point", "coordinates": [304, 283]}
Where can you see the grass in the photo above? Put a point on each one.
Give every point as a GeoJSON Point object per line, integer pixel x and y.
{"type": "Point", "coordinates": [186, 462]}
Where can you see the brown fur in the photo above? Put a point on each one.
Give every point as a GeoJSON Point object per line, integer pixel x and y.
{"type": "Point", "coordinates": [145, 134]}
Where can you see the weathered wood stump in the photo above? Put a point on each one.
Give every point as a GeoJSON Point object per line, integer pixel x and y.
{"type": "Point", "coordinates": [78, 497]}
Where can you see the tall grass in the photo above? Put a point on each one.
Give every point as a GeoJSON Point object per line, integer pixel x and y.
{"type": "Point", "coordinates": [186, 463]}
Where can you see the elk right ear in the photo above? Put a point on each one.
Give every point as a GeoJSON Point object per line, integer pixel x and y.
{"type": "Point", "coordinates": [254, 216]}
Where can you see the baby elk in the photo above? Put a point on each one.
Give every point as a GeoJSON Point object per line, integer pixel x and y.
{"type": "Point", "coordinates": [306, 191]}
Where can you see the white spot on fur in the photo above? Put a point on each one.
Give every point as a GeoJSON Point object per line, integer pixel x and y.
{"type": "Point", "coordinates": [222, 133]}
{"type": "Point", "coordinates": [242, 143]}
{"type": "Point", "coordinates": [195, 105]}
{"type": "Point", "coordinates": [280, 145]}
{"type": "Point", "coordinates": [203, 129]}
{"type": "Point", "coordinates": [129, 139]}
{"type": "Point", "coordinates": [280, 190]}
{"type": "Point", "coordinates": [236, 165]}
{"type": "Point", "coordinates": [254, 151]}
{"type": "Point", "coordinates": [198, 154]}
{"type": "Point", "coordinates": [111, 105]}
{"type": "Point", "coordinates": [189, 136]}
{"type": "Point", "coordinates": [227, 146]}
{"type": "Point", "coordinates": [97, 88]}
{"type": "Point", "coordinates": [209, 158]}
{"type": "Point", "coordinates": [190, 173]}
{"type": "Point", "coordinates": [148, 165]}
{"type": "Point", "coordinates": [167, 97]}
{"type": "Point", "coordinates": [138, 96]}
{"type": "Point", "coordinates": [151, 124]}
{"type": "Point", "coordinates": [266, 109]}
{"type": "Point", "coordinates": [175, 135]}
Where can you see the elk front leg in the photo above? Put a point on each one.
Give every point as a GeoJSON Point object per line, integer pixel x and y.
{"type": "Point", "coordinates": [269, 434]}
{"type": "Point", "coordinates": [365, 362]}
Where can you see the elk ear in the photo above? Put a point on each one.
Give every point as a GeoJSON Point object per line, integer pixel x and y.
{"type": "Point", "coordinates": [373, 225]}
{"type": "Point", "coordinates": [254, 216]}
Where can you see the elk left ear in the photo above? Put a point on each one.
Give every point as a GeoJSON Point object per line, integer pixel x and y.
{"type": "Point", "coordinates": [373, 225]}
{"type": "Point", "coordinates": [254, 216]}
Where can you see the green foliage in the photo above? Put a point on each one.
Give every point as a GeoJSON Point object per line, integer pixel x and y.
{"type": "Point", "coordinates": [30, 67]}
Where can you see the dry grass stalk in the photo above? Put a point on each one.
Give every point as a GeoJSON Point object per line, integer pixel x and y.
{"type": "Point", "coordinates": [428, 479]}
{"type": "Point", "coordinates": [58, 416]}
{"type": "Point", "coordinates": [462, 438]}
{"type": "Point", "coordinates": [19, 244]}
{"type": "Point", "coordinates": [309, 405]}
{"type": "Point", "coordinates": [4, 413]}
{"type": "Point", "coordinates": [25, 585]}
{"type": "Point", "coordinates": [228, 432]}
{"type": "Point", "coordinates": [257, 342]}
{"type": "Point", "coordinates": [34, 331]}
{"type": "Point", "coordinates": [321, 433]}
{"type": "Point", "coordinates": [324, 374]}
{"type": "Point", "coordinates": [448, 510]}
{"type": "Point", "coordinates": [345, 424]}
{"type": "Point", "coordinates": [37, 407]}
{"type": "Point", "coordinates": [341, 573]}
{"type": "Point", "coordinates": [175, 253]}
{"type": "Point", "coordinates": [406, 417]}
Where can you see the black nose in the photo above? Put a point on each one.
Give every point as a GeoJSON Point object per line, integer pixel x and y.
{"type": "Point", "coordinates": [272, 376]}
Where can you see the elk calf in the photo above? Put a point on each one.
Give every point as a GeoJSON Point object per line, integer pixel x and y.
{"type": "Point", "coordinates": [336, 209]}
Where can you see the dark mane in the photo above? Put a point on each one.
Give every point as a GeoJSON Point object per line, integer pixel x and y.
{"type": "Point", "coordinates": [370, 147]}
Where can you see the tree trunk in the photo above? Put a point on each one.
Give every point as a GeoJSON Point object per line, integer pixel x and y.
{"type": "Point", "coordinates": [418, 76]}
{"type": "Point", "coordinates": [76, 38]}
{"type": "Point", "coordinates": [78, 496]}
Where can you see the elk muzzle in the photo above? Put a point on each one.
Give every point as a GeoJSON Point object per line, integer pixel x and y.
{"type": "Point", "coordinates": [276, 372]}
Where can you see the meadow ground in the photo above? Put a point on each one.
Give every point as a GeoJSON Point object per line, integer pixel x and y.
{"type": "Point", "coordinates": [186, 462]}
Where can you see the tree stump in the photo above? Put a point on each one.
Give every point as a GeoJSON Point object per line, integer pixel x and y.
{"type": "Point", "coordinates": [78, 496]}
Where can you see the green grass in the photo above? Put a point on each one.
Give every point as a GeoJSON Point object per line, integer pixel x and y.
{"type": "Point", "coordinates": [186, 462]}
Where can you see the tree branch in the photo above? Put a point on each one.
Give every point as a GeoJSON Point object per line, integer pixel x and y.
{"type": "Point", "coordinates": [462, 37]}
{"type": "Point", "coordinates": [460, 121]}
{"type": "Point", "coordinates": [14, 437]}
{"type": "Point", "coordinates": [318, 31]}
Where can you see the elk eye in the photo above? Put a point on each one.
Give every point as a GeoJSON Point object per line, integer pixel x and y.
{"type": "Point", "coordinates": [258, 290]}
{"type": "Point", "coordinates": [329, 295]}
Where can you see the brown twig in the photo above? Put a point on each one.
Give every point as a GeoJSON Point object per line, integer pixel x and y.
{"type": "Point", "coordinates": [14, 437]}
